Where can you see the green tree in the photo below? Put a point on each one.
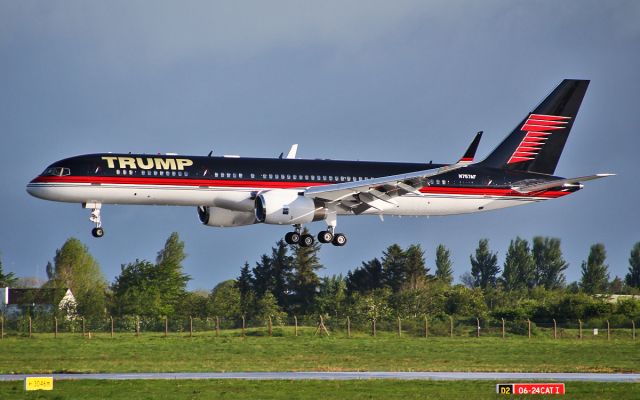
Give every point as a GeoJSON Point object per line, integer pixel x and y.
{"type": "Point", "coordinates": [444, 270]}
{"type": "Point", "coordinates": [415, 267]}
{"type": "Point", "coordinates": [224, 301]}
{"type": "Point", "coordinates": [282, 272]}
{"type": "Point", "coordinates": [365, 279]}
{"type": "Point", "coordinates": [633, 277]}
{"type": "Point", "coordinates": [394, 262]}
{"type": "Point", "coordinates": [595, 275]}
{"type": "Point", "coordinates": [264, 280]}
{"type": "Point", "coordinates": [245, 286]}
{"type": "Point", "coordinates": [332, 295]}
{"type": "Point", "coordinates": [76, 269]}
{"type": "Point", "coordinates": [305, 280]}
{"type": "Point", "coordinates": [143, 288]}
{"type": "Point", "coordinates": [519, 267]}
{"type": "Point", "coordinates": [267, 306]}
{"type": "Point", "coordinates": [484, 266]}
{"type": "Point", "coordinates": [549, 263]}
{"type": "Point", "coordinates": [135, 291]}
{"type": "Point", "coordinates": [170, 278]}
{"type": "Point", "coordinates": [8, 279]}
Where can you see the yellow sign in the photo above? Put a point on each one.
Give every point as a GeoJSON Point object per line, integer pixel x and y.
{"type": "Point", "coordinates": [38, 383]}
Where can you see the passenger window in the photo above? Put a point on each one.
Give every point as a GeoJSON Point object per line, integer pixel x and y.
{"type": "Point", "coordinates": [240, 175]}
{"type": "Point", "coordinates": [235, 175]}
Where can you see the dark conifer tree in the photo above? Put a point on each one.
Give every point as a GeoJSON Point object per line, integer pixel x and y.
{"type": "Point", "coordinates": [550, 265]}
{"type": "Point", "coordinates": [444, 270]}
{"type": "Point", "coordinates": [484, 266]}
{"type": "Point", "coordinates": [595, 274]}
{"type": "Point", "coordinates": [633, 277]}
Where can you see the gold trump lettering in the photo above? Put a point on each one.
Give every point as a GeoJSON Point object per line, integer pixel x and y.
{"type": "Point", "coordinates": [148, 163]}
{"type": "Point", "coordinates": [38, 383]}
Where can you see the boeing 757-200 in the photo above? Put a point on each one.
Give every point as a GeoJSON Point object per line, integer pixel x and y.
{"type": "Point", "coordinates": [235, 191]}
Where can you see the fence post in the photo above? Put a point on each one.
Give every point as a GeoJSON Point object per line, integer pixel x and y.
{"type": "Point", "coordinates": [373, 327]}
{"type": "Point", "coordinates": [270, 326]}
{"type": "Point", "coordinates": [243, 325]}
{"type": "Point", "coordinates": [555, 329]}
{"type": "Point", "coordinates": [529, 324]}
{"type": "Point", "coordinates": [2, 327]}
{"type": "Point", "coordinates": [111, 318]}
{"type": "Point", "coordinates": [137, 326]}
{"type": "Point", "coordinates": [295, 321]}
{"type": "Point", "coordinates": [29, 326]}
{"type": "Point", "coordinates": [633, 330]}
{"type": "Point", "coordinates": [190, 326]}
{"type": "Point", "coordinates": [450, 326]}
{"type": "Point", "coordinates": [503, 328]}
{"type": "Point", "coordinates": [426, 327]}
{"type": "Point", "coordinates": [608, 331]}
{"type": "Point", "coordinates": [166, 326]}
{"type": "Point", "coordinates": [478, 321]}
{"type": "Point", "coordinates": [217, 326]}
{"type": "Point", "coordinates": [55, 331]}
{"type": "Point", "coordinates": [399, 327]}
{"type": "Point", "coordinates": [580, 331]}
{"type": "Point", "coordinates": [348, 327]}
{"type": "Point", "coordinates": [84, 330]}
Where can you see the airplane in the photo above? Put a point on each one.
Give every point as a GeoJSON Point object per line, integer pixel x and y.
{"type": "Point", "coordinates": [230, 191]}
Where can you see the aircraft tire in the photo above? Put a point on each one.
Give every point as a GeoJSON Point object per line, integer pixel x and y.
{"type": "Point", "coordinates": [325, 237]}
{"type": "Point", "coordinates": [306, 240]}
{"type": "Point", "coordinates": [97, 232]}
{"type": "Point", "coordinates": [292, 238]}
{"type": "Point", "coordinates": [339, 239]}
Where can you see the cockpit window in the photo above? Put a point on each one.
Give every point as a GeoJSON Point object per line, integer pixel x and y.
{"type": "Point", "coordinates": [57, 171]}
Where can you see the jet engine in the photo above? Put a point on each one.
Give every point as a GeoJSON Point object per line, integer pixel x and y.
{"type": "Point", "coordinates": [222, 218]}
{"type": "Point", "coordinates": [287, 207]}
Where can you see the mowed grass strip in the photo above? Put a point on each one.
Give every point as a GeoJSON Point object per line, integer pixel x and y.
{"type": "Point", "coordinates": [206, 353]}
{"type": "Point", "coordinates": [357, 389]}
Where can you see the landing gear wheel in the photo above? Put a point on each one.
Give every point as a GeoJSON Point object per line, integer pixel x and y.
{"type": "Point", "coordinates": [292, 238]}
{"type": "Point", "coordinates": [97, 232]}
{"type": "Point", "coordinates": [306, 240]}
{"type": "Point", "coordinates": [339, 239]}
{"type": "Point", "coordinates": [325, 237]}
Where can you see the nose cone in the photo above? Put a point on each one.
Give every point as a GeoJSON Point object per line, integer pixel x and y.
{"type": "Point", "coordinates": [34, 189]}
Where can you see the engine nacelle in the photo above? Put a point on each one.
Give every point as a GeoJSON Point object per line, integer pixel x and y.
{"type": "Point", "coordinates": [288, 207]}
{"type": "Point", "coordinates": [221, 217]}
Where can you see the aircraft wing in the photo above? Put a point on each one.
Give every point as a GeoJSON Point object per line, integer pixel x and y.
{"type": "Point", "coordinates": [377, 193]}
{"type": "Point", "coordinates": [530, 187]}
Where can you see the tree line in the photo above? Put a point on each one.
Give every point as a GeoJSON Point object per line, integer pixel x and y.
{"type": "Point", "coordinates": [399, 283]}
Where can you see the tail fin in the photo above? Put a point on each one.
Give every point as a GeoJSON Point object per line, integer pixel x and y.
{"type": "Point", "coordinates": [536, 143]}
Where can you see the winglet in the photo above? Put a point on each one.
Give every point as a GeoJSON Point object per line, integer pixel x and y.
{"type": "Point", "coordinates": [468, 156]}
{"type": "Point", "coordinates": [293, 151]}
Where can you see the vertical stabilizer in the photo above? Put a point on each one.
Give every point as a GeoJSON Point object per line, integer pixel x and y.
{"type": "Point", "coordinates": [535, 145]}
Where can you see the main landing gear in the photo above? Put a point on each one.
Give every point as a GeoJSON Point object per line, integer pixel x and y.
{"type": "Point", "coordinates": [328, 236]}
{"type": "Point", "coordinates": [94, 217]}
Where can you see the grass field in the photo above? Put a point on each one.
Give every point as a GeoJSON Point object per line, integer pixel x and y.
{"type": "Point", "coordinates": [361, 389]}
{"type": "Point", "coordinates": [207, 353]}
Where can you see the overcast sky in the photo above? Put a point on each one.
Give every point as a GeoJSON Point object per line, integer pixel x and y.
{"type": "Point", "coordinates": [369, 80]}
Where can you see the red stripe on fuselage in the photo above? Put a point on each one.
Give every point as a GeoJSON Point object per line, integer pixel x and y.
{"type": "Point", "coordinates": [259, 184]}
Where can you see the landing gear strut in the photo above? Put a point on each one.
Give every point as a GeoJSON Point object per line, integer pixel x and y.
{"type": "Point", "coordinates": [94, 217]}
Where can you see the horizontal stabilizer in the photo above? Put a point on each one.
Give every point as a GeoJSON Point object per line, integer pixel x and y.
{"type": "Point", "coordinates": [468, 156]}
{"type": "Point", "coordinates": [536, 187]}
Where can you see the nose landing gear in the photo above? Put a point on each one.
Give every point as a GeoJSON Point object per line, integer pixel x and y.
{"type": "Point", "coordinates": [94, 217]}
